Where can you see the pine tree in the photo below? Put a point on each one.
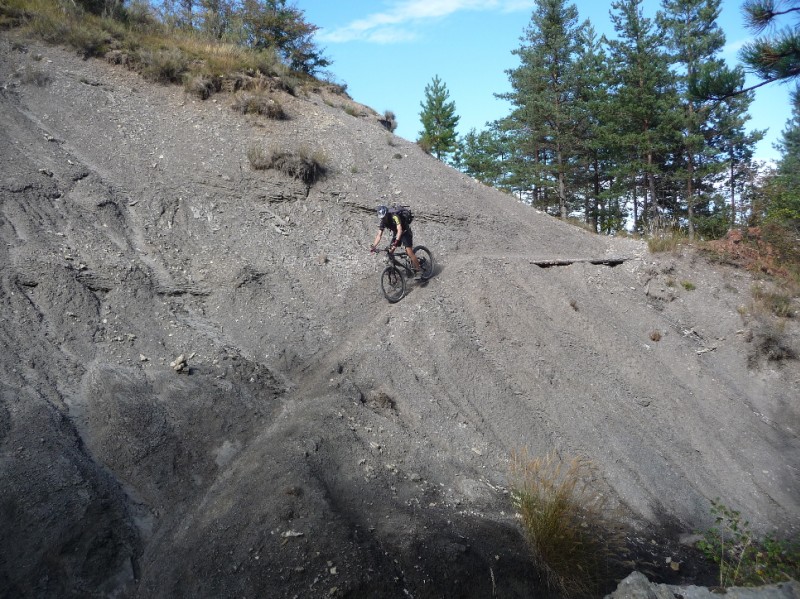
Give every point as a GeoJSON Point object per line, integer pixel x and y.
{"type": "Point", "coordinates": [543, 93]}
{"type": "Point", "coordinates": [591, 101]}
{"type": "Point", "coordinates": [695, 39]}
{"type": "Point", "coordinates": [273, 24]}
{"type": "Point", "coordinates": [485, 155]}
{"type": "Point", "coordinates": [644, 107]}
{"type": "Point", "coordinates": [777, 56]}
{"type": "Point", "coordinates": [439, 120]}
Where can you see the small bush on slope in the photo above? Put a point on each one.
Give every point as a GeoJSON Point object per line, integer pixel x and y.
{"type": "Point", "coordinates": [301, 164]}
{"type": "Point", "coordinates": [259, 103]}
{"type": "Point", "coordinates": [572, 540]}
{"type": "Point", "coordinates": [743, 559]}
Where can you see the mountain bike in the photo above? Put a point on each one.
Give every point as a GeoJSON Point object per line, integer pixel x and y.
{"type": "Point", "coordinates": [398, 267]}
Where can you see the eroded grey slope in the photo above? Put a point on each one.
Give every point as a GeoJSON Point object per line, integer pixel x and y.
{"type": "Point", "coordinates": [323, 438]}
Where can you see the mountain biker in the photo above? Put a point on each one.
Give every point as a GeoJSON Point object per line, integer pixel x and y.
{"type": "Point", "coordinates": [400, 234]}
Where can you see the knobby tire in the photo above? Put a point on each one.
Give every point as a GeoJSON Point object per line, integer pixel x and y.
{"type": "Point", "coordinates": [393, 284]}
{"type": "Point", "coordinates": [425, 261]}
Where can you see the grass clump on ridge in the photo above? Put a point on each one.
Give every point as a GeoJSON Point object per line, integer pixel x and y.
{"type": "Point", "coordinates": [669, 241]}
{"type": "Point", "coordinates": [259, 103]}
{"type": "Point", "coordinates": [134, 37]}
{"type": "Point", "coordinates": [301, 164]}
{"type": "Point", "coordinates": [565, 521]}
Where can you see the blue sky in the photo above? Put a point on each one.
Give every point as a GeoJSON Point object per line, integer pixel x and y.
{"type": "Point", "coordinates": [387, 51]}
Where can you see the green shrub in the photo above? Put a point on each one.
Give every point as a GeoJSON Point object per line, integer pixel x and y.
{"type": "Point", "coordinates": [743, 559]}
{"type": "Point", "coordinates": [572, 539]}
{"type": "Point", "coordinates": [688, 285]}
{"type": "Point", "coordinates": [89, 41]}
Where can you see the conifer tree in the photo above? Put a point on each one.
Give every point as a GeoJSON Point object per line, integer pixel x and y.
{"type": "Point", "coordinates": [273, 24]}
{"type": "Point", "coordinates": [695, 39]}
{"type": "Point", "coordinates": [775, 56]}
{"type": "Point", "coordinates": [644, 106]}
{"type": "Point", "coordinates": [485, 156]}
{"type": "Point", "coordinates": [591, 102]}
{"type": "Point", "coordinates": [543, 94]}
{"type": "Point", "coordinates": [439, 120]}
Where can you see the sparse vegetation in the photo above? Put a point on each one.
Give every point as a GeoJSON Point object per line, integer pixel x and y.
{"type": "Point", "coordinates": [688, 285]}
{"type": "Point", "coordinates": [34, 76]}
{"type": "Point", "coordinates": [201, 86]}
{"type": "Point", "coordinates": [655, 336]}
{"type": "Point", "coordinates": [769, 342]}
{"type": "Point", "coordinates": [565, 521]}
{"type": "Point", "coordinates": [259, 103]}
{"type": "Point", "coordinates": [669, 241]}
{"type": "Point", "coordinates": [389, 120]}
{"type": "Point", "coordinates": [351, 110]}
{"type": "Point", "coordinates": [772, 302]}
{"type": "Point", "coordinates": [743, 559]}
{"type": "Point", "coordinates": [302, 164]}
{"type": "Point", "coordinates": [161, 51]}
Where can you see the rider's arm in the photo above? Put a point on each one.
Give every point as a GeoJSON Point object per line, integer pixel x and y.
{"type": "Point", "coordinates": [378, 238]}
{"type": "Point", "coordinates": [399, 230]}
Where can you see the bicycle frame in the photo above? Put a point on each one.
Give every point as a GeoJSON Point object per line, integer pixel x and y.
{"type": "Point", "coordinates": [400, 260]}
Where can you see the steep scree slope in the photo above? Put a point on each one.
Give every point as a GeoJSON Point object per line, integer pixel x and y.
{"type": "Point", "coordinates": [325, 442]}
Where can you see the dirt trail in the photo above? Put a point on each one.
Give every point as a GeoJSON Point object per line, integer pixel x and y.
{"type": "Point", "coordinates": [324, 442]}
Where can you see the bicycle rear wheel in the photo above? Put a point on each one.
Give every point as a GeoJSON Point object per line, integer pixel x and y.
{"type": "Point", "coordinates": [425, 261]}
{"type": "Point", "coordinates": [393, 284]}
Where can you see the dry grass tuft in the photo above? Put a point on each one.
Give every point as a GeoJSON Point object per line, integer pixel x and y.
{"type": "Point", "coordinates": [769, 343]}
{"type": "Point", "coordinates": [302, 164]}
{"type": "Point", "coordinates": [655, 336]}
{"type": "Point", "coordinates": [201, 86]}
{"type": "Point", "coordinates": [389, 120]}
{"type": "Point", "coordinates": [259, 103]}
{"type": "Point", "coordinates": [34, 76]}
{"type": "Point", "coordinates": [565, 520]}
{"type": "Point", "coordinates": [669, 241]}
{"type": "Point", "coordinates": [772, 302]}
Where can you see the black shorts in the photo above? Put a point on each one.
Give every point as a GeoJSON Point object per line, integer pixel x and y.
{"type": "Point", "coordinates": [406, 239]}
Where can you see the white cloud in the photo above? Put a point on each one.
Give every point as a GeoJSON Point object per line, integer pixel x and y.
{"type": "Point", "coordinates": [399, 22]}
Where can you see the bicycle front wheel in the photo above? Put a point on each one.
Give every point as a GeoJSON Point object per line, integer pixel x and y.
{"type": "Point", "coordinates": [393, 284]}
{"type": "Point", "coordinates": [425, 261]}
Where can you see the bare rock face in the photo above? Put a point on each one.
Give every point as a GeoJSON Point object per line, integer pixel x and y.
{"type": "Point", "coordinates": [636, 586]}
{"type": "Point", "coordinates": [203, 392]}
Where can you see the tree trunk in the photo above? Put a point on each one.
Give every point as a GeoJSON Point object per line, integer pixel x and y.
{"type": "Point", "coordinates": [733, 195]}
{"type": "Point", "coordinates": [651, 184]}
{"type": "Point", "coordinates": [562, 192]}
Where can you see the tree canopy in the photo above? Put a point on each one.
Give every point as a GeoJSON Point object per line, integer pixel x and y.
{"type": "Point", "coordinates": [439, 120]}
{"type": "Point", "coordinates": [619, 132]}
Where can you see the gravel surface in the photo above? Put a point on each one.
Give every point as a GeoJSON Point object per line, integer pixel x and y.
{"type": "Point", "coordinates": [315, 440]}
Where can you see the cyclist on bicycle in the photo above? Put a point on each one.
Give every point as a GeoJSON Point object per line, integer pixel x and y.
{"type": "Point", "coordinates": [400, 234]}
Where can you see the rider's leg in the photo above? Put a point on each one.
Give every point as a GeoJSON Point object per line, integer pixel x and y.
{"type": "Point", "coordinates": [413, 257]}
{"type": "Point", "coordinates": [407, 239]}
